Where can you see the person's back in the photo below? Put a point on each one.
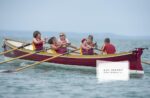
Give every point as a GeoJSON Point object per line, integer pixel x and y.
{"type": "Point", "coordinates": [108, 48]}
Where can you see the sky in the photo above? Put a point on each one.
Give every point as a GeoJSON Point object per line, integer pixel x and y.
{"type": "Point", "coordinates": [123, 17]}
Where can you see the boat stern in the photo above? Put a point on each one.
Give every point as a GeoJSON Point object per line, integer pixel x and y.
{"type": "Point", "coordinates": [136, 63]}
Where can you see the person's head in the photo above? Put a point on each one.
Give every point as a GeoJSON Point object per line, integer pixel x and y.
{"type": "Point", "coordinates": [62, 36]}
{"type": "Point", "coordinates": [90, 38]}
{"type": "Point", "coordinates": [36, 34]}
{"type": "Point", "coordinates": [84, 41]}
{"type": "Point", "coordinates": [107, 40]}
{"type": "Point", "coordinates": [52, 40]}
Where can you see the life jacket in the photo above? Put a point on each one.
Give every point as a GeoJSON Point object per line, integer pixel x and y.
{"type": "Point", "coordinates": [62, 49]}
{"type": "Point", "coordinates": [37, 46]}
{"type": "Point", "coordinates": [91, 51]}
{"type": "Point", "coordinates": [59, 50]}
{"type": "Point", "coordinates": [52, 51]}
{"type": "Point", "coordinates": [84, 51]}
{"type": "Point", "coordinates": [87, 52]}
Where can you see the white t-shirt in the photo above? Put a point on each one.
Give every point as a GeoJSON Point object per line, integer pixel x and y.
{"type": "Point", "coordinates": [61, 41]}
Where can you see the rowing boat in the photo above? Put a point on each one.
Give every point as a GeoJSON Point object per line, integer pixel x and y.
{"type": "Point", "coordinates": [134, 57]}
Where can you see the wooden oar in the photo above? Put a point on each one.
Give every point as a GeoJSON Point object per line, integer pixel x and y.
{"type": "Point", "coordinates": [97, 49]}
{"type": "Point", "coordinates": [36, 63]}
{"type": "Point", "coordinates": [71, 46]}
{"type": "Point", "coordinates": [20, 57]}
{"type": "Point", "coordinates": [146, 62]}
{"type": "Point", "coordinates": [15, 49]}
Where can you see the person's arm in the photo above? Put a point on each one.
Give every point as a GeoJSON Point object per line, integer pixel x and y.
{"type": "Point", "coordinates": [71, 46]}
{"type": "Point", "coordinates": [55, 47]}
{"type": "Point", "coordinates": [115, 49]}
{"type": "Point", "coordinates": [85, 47]}
{"type": "Point", "coordinates": [37, 42]}
{"type": "Point", "coordinates": [103, 49]}
{"type": "Point", "coordinates": [89, 46]}
{"type": "Point", "coordinates": [66, 44]}
{"type": "Point", "coordinates": [45, 40]}
{"type": "Point", "coordinates": [67, 40]}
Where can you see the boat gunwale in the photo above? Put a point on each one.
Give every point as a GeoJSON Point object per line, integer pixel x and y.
{"type": "Point", "coordinates": [68, 55]}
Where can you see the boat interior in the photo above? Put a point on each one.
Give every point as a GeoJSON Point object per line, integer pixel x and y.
{"type": "Point", "coordinates": [14, 43]}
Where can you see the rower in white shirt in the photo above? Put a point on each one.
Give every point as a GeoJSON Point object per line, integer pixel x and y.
{"type": "Point", "coordinates": [64, 41]}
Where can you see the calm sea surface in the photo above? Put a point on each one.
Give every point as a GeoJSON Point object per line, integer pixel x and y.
{"type": "Point", "coordinates": [59, 81]}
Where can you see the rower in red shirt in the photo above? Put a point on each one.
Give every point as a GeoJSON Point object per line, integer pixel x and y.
{"type": "Point", "coordinates": [108, 48]}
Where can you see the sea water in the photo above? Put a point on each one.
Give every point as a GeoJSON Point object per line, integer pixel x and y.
{"type": "Point", "coordinates": [62, 81]}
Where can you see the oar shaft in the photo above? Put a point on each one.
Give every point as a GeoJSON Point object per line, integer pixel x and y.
{"type": "Point", "coordinates": [15, 49]}
{"type": "Point", "coordinates": [72, 46]}
{"type": "Point", "coordinates": [8, 51]}
{"type": "Point", "coordinates": [98, 49]}
{"type": "Point", "coordinates": [36, 63]}
{"type": "Point", "coordinates": [16, 58]}
{"type": "Point", "coordinates": [146, 62]}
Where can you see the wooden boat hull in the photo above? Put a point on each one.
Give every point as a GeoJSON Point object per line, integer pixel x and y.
{"type": "Point", "coordinates": [134, 57]}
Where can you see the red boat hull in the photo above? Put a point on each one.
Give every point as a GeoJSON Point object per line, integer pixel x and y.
{"type": "Point", "coordinates": [134, 59]}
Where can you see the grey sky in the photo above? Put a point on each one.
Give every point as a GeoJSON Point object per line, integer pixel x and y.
{"type": "Point", "coordinates": [126, 17]}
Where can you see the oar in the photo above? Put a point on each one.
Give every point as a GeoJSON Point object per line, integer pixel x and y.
{"type": "Point", "coordinates": [146, 62]}
{"type": "Point", "coordinates": [15, 49]}
{"type": "Point", "coordinates": [20, 57]}
{"type": "Point", "coordinates": [71, 46]}
{"type": "Point", "coordinates": [97, 49]}
{"type": "Point", "coordinates": [36, 63]}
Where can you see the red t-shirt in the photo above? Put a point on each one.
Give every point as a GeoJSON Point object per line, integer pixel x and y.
{"type": "Point", "coordinates": [109, 48]}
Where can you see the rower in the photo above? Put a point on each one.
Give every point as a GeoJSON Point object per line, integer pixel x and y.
{"type": "Point", "coordinates": [85, 47]}
{"type": "Point", "coordinates": [108, 48]}
{"type": "Point", "coordinates": [91, 43]}
{"type": "Point", "coordinates": [65, 42]}
{"type": "Point", "coordinates": [37, 42]}
{"type": "Point", "coordinates": [55, 46]}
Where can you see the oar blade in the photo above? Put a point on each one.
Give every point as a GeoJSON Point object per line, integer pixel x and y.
{"type": "Point", "coordinates": [7, 71]}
